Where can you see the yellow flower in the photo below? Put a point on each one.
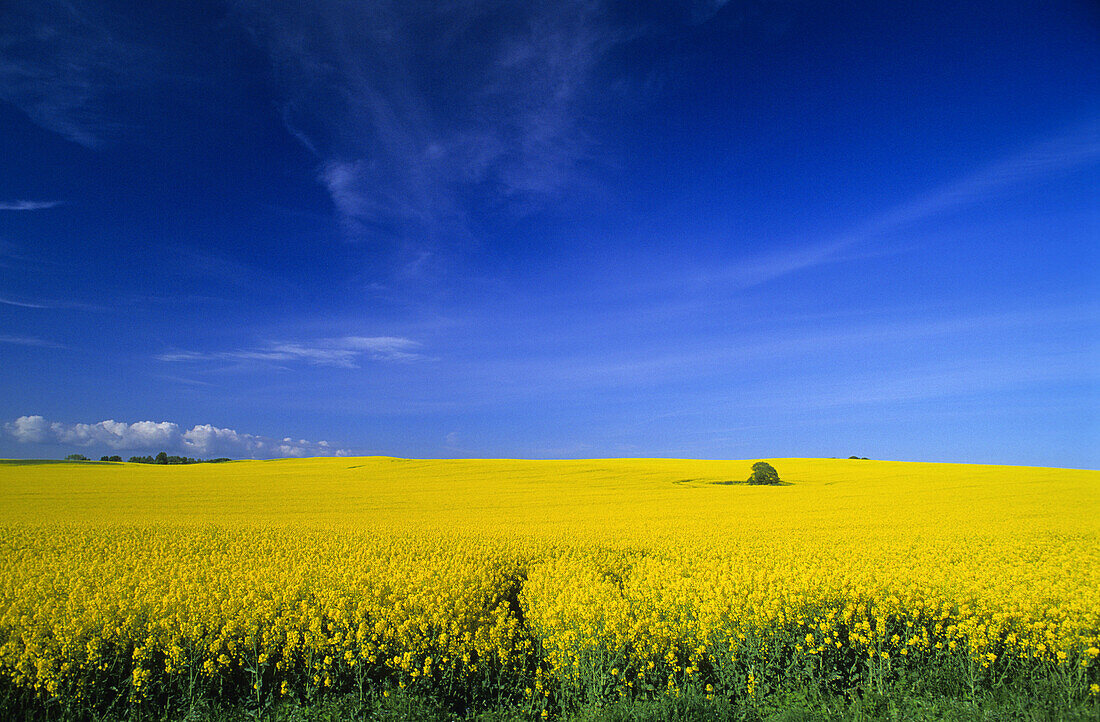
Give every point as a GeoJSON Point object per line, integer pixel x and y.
{"type": "Point", "coordinates": [422, 568]}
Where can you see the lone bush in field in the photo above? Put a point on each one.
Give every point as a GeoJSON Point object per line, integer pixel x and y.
{"type": "Point", "coordinates": [763, 473]}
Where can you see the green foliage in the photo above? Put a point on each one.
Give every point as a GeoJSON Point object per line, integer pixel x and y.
{"type": "Point", "coordinates": [691, 705]}
{"type": "Point", "coordinates": [165, 458]}
{"type": "Point", "coordinates": [784, 683]}
{"type": "Point", "coordinates": [76, 457]}
{"type": "Point", "coordinates": [763, 473]}
{"type": "Point", "coordinates": [110, 458]}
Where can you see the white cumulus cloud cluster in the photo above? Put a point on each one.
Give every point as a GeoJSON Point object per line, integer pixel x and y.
{"type": "Point", "coordinates": [202, 440]}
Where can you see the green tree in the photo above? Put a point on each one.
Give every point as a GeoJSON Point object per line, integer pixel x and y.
{"type": "Point", "coordinates": [76, 457]}
{"type": "Point", "coordinates": [162, 458]}
{"type": "Point", "coordinates": [763, 473]}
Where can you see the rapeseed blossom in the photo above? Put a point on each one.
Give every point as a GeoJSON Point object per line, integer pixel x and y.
{"type": "Point", "coordinates": [297, 576]}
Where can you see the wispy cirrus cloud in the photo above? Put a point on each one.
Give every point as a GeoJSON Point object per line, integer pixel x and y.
{"type": "Point", "coordinates": [343, 352]}
{"type": "Point", "coordinates": [28, 205]}
{"type": "Point", "coordinates": [28, 341]}
{"type": "Point", "coordinates": [60, 59]}
{"type": "Point", "coordinates": [22, 304]}
{"type": "Point", "coordinates": [409, 107]}
{"type": "Point", "coordinates": [1035, 335]}
{"type": "Point", "coordinates": [48, 304]}
{"type": "Point", "coordinates": [1048, 158]}
{"type": "Point", "coordinates": [203, 440]}
{"type": "Point", "coordinates": [12, 256]}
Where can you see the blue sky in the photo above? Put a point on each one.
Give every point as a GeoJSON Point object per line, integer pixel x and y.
{"type": "Point", "coordinates": [571, 229]}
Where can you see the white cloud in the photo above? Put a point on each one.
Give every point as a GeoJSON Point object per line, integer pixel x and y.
{"type": "Point", "coordinates": [343, 352]}
{"type": "Point", "coordinates": [29, 341]}
{"type": "Point", "coordinates": [27, 205]}
{"type": "Point", "coordinates": [209, 440]}
{"type": "Point", "coordinates": [51, 304]}
{"type": "Point", "coordinates": [22, 304]}
{"type": "Point", "coordinates": [383, 348]}
{"type": "Point", "coordinates": [399, 145]}
{"type": "Point", "coordinates": [1048, 158]}
{"type": "Point", "coordinates": [29, 429]}
{"type": "Point", "coordinates": [206, 439]}
{"type": "Point", "coordinates": [116, 434]}
{"type": "Point", "coordinates": [202, 440]}
{"type": "Point", "coordinates": [1051, 157]}
{"type": "Point", "coordinates": [60, 60]}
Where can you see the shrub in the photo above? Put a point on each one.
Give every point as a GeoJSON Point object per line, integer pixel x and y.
{"type": "Point", "coordinates": [763, 473]}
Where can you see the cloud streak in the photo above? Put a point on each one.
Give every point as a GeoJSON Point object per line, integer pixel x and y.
{"type": "Point", "coordinates": [28, 205]}
{"type": "Point", "coordinates": [788, 354]}
{"type": "Point", "coordinates": [344, 352]}
{"type": "Point", "coordinates": [202, 440]}
{"type": "Point", "coordinates": [402, 146]}
{"type": "Point", "coordinates": [59, 60]}
{"type": "Point", "coordinates": [22, 304]}
{"type": "Point", "coordinates": [74, 305]}
{"type": "Point", "coordinates": [28, 341]}
{"type": "Point", "coordinates": [1049, 158]}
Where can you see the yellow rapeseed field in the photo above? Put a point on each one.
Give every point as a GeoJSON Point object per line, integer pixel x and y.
{"type": "Point", "coordinates": [558, 581]}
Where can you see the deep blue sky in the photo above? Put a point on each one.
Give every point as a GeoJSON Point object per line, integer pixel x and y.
{"type": "Point", "coordinates": [569, 229]}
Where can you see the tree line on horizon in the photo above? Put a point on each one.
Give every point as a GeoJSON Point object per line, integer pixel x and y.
{"type": "Point", "coordinates": [161, 458]}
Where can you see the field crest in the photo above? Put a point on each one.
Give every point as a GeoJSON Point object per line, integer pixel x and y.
{"type": "Point", "coordinates": [136, 583]}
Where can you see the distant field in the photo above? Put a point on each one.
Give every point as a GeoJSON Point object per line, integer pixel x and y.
{"type": "Point", "coordinates": [551, 584]}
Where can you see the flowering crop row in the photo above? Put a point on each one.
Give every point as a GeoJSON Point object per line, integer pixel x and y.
{"type": "Point", "coordinates": [525, 601]}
